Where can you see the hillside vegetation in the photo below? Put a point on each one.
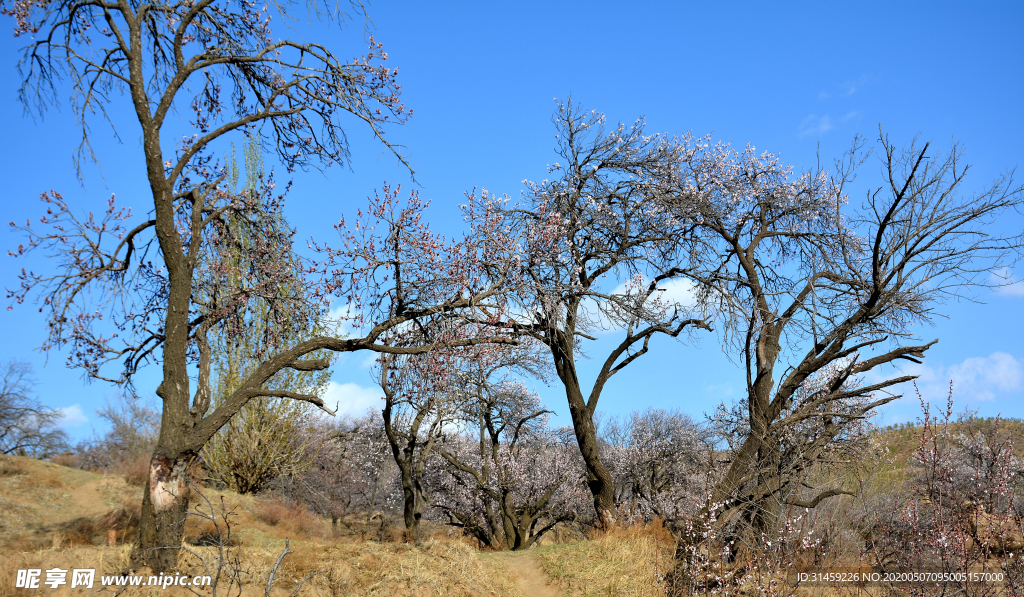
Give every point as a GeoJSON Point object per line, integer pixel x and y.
{"type": "Point", "coordinates": [61, 517]}
{"type": "Point", "coordinates": [55, 516]}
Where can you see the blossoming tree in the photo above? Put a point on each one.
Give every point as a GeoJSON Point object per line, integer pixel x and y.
{"type": "Point", "coordinates": [123, 292]}
{"type": "Point", "coordinates": [595, 224]}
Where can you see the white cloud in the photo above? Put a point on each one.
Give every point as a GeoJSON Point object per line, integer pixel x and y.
{"type": "Point", "coordinates": [975, 379]}
{"type": "Point", "coordinates": [352, 399]}
{"type": "Point", "coordinates": [981, 378]}
{"type": "Point", "coordinates": [679, 292]}
{"type": "Point", "coordinates": [1008, 285]}
{"type": "Point", "coordinates": [72, 416]}
{"type": "Point", "coordinates": [340, 316]}
{"type": "Point", "coordinates": [815, 125]}
{"type": "Point", "coordinates": [676, 292]}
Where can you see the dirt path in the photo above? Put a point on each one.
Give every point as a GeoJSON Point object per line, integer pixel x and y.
{"type": "Point", "coordinates": [529, 576]}
{"type": "Point", "coordinates": [89, 498]}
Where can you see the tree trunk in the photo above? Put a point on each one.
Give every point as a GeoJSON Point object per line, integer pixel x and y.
{"type": "Point", "coordinates": [165, 499]}
{"type": "Point", "coordinates": [762, 412]}
{"type": "Point", "coordinates": [412, 510]}
{"type": "Point", "coordinates": [412, 519]}
{"type": "Point", "coordinates": [768, 509]}
{"type": "Point", "coordinates": [164, 508]}
{"type": "Point", "coordinates": [599, 479]}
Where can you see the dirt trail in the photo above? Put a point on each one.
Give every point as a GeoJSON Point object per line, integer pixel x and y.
{"type": "Point", "coordinates": [89, 498]}
{"type": "Point", "coordinates": [529, 576]}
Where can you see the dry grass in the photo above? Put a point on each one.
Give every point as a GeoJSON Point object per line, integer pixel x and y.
{"type": "Point", "coordinates": [292, 519]}
{"type": "Point", "coordinates": [47, 504]}
{"type": "Point", "coordinates": [67, 459]}
{"type": "Point", "coordinates": [628, 562]}
{"type": "Point", "coordinates": [54, 516]}
{"type": "Point", "coordinates": [10, 467]}
{"type": "Point", "coordinates": [106, 560]}
{"type": "Point", "coordinates": [434, 569]}
{"type": "Point", "coordinates": [134, 470]}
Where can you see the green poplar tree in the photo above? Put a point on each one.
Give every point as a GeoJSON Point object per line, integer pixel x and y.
{"type": "Point", "coordinates": [266, 439]}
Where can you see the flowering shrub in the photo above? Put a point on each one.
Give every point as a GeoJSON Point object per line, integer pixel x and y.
{"type": "Point", "coordinates": [352, 476]}
{"type": "Point", "coordinates": [658, 459]}
{"type": "Point", "coordinates": [509, 478]}
{"type": "Point", "coordinates": [962, 509]}
{"type": "Point", "coordinates": [711, 561]}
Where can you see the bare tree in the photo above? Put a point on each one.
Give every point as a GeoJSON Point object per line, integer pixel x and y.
{"type": "Point", "coordinates": [134, 428]}
{"type": "Point", "coordinates": [596, 224]}
{"type": "Point", "coordinates": [27, 428]}
{"type": "Point", "coordinates": [146, 291]}
{"type": "Point", "coordinates": [812, 296]}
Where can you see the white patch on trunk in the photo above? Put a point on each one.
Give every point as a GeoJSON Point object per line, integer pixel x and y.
{"type": "Point", "coordinates": [166, 483]}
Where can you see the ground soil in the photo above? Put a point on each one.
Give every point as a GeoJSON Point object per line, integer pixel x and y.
{"type": "Point", "coordinates": [529, 576]}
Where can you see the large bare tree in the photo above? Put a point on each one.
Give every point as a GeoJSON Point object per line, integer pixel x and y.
{"type": "Point", "coordinates": [813, 295]}
{"type": "Point", "coordinates": [127, 292]}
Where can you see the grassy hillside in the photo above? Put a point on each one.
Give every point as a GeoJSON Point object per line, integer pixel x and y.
{"type": "Point", "coordinates": [55, 516]}
{"type": "Point", "coordinates": [903, 441]}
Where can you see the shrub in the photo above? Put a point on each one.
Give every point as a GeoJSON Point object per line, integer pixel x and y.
{"type": "Point", "coordinates": [962, 510]}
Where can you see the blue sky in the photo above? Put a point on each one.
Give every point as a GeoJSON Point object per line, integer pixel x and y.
{"type": "Point", "coordinates": [800, 81]}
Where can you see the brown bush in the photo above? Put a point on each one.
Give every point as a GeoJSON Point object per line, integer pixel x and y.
{"type": "Point", "coordinates": [10, 467]}
{"type": "Point", "coordinates": [68, 459]}
{"type": "Point", "coordinates": [45, 478]}
{"type": "Point", "coordinates": [291, 517]}
{"type": "Point", "coordinates": [81, 531]}
{"type": "Point", "coordinates": [24, 542]}
{"type": "Point", "coordinates": [123, 521]}
{"type": "Point", "coordinates": [135, 470]}
{"type": "Point", "coordinates": [204, 531]}
{"type": "Point", "coordinates": [271, 512]}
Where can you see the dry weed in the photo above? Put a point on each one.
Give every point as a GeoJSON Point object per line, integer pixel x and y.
{"type": "Point", "coordinates": [67, 459]}
{"type": "Point", "coordinates": [134, 470]}
{"type": "Point", "coordinates": [106, 560]}
{"type": "Point", "coordinates": [433, 569]}
{"type": "Point", "coordinates": [10, 467]}
{"type": "Point", "coordinates": [124, 521]}
{"type": "Point", "coordinates": [299, 521]}
{"type": "Point", "coordinates": [271, 512]}
{"type": "Point", "coordinates": [629, 561]}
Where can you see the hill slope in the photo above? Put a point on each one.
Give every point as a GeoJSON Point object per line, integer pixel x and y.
{"type": "Point", "coordinates": [58, 517]}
